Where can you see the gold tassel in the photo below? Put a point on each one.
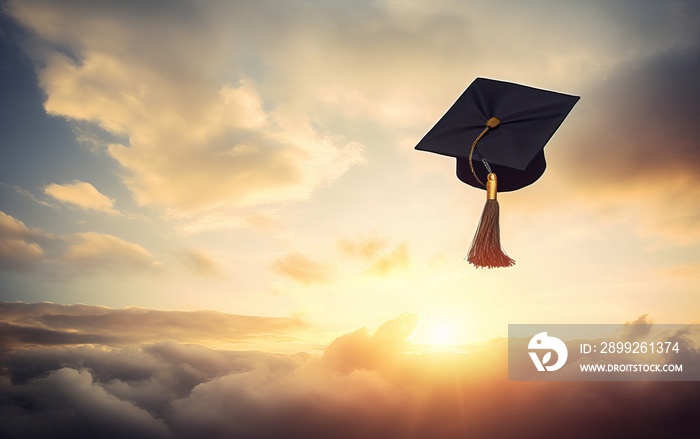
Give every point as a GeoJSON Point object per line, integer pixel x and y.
{"type": "Point", "coordinates": [486, 248]}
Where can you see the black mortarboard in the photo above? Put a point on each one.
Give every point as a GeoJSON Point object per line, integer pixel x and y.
{"type": "Point", "coordinates": [499, 128]}
{"type": "Point", "coordinates": [515, 149]}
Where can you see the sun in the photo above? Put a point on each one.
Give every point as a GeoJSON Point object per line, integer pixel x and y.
{"type": "Point", "coordinates": [442, 334]}
{"type": "Point", "coordinates": [439, 334]}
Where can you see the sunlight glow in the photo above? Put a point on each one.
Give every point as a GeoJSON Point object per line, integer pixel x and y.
{"type": "Point", "coordinates": [439, 334]}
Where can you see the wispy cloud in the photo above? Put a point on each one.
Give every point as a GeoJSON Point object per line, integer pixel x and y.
{"type": "Point", "coordinates": [689, 271]}
{"type": "Point", "coordinates": [200, 262]}
{"type": "Point", "coordinates": [366, 247]}
{"type": "Point", "coordinates": [302, 269]}
{"type": "Point", "coordinates": [374, 251]}
{"type": "Point", "coordinates": [90, 251]}
{"type": "Point", "coordinates": [81, 194]}
{"type": "Point", "coordinates": [397, 258]}
{"type": "Point", "coordinates": [29, 194]}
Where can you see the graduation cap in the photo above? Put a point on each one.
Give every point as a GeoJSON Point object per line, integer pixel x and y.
{"type": "Point", "coordinates": [499, 129]}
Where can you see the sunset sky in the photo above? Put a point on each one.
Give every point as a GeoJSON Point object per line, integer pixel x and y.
{"type": "Point", "coordinates": [242, 175]}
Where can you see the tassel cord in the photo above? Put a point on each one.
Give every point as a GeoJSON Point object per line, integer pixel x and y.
{"type": "Point", "coordinates": [486, 250]}
{"type": "Point", "coordinates": [491, 123]}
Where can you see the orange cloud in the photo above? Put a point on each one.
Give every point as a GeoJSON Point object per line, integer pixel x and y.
{"type": "Point", "coordinates": [373, 250]}
{"type": "Point", "coordinates": [366, 247]}
{"type": "Point", "coordinates": [398, 258]}
{"type": "Point", "coordinates": [688, 271]}
{"type": "Point", "coordinates": [81, 194]}
{"type": "Point", "coordinates": [302, 269]}
{"type": "Point", "coordinates": [200, 262]}
{"type": "Point", "coordinates": [23, 248]}
{"type": "Point", "coordinates": [362, 350]}
{"type": "Point", "coordinates": [92, 251]}
{"type": "Point", "coordinates": [20, 246]}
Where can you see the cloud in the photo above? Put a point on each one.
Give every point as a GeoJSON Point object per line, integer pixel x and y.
{"type": "Point", "coordinates": [90, 252]}
{"type": "Point", "coordinates": [362, 350]}
{"type": "Point", "coordinates": [636, 151]}
{"type": "Point", "coordinates": [20, 246]}
{"type": "Point", "coordinates": [200, 134]}
{"type": "Point", "coordinates": [364, 385]}
{"type": "Point", "coordinates": [54, 324]}
{"type": "Point", "coordinates": [81, 194]}
{"type": "Point", "coordinates": [302, 269]}
{"type": "Point", "coordinates": [275, 105]}
{"type": "Point", "coordinates": [16, 335]}
{"type": "Point", "coordinates": [27, 193]}
{"type": "Point", "coordinates": [374, 255]}
{"type": "Point", "coordinates": [639, 121]}
{"type": "Point", "coordinates": [398, 258]}
{"type": "Point", "coordinates": [78, 406]}
{"type": "Point", "coordinates": [636, 329]}
{"type": "Point", "coordinates": [372, 250]}
{"type": "Point", "coordinates": [200, 262]}
{"type": "Point", "coordinates": [365, 247]}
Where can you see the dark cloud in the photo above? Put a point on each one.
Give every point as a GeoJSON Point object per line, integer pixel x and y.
{"type": "Point", "coordinates": [67, 403]}
{"type": "Point", "coordinates": [364, 385]}
{"type": "Point", "coordinates": [106, 364]}
{"type": "Point", "coordinates": [634, 153]}
{"type": "Point", "coordinates": [636, 329]}
{"type": "Point", "coordinates": [54, 324]}
{"type": "Point", "coordinates": [639, 125]}
{"type": "Point", "coordinates": [13, 335]}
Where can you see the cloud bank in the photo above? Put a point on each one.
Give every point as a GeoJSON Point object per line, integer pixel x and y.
{"type": "Point", "coordinates": [54, 324]}
{"type": "Point", "coordinates": [23, 248]}
{"type": "Point", "coordinates": [200, 133]}
{"type": "Point", "coordinates": [363, 385]}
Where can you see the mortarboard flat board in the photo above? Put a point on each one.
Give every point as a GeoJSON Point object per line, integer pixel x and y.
{"type": "Point", "coordinates": [497, 128]}
{"type": "Point", "coordinates": [514, 149]}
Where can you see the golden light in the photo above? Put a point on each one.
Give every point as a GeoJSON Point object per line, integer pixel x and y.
{"type": "Point", "coordinates": [442, 334]}
{"type": "Point", "coordinates": [439, 333]}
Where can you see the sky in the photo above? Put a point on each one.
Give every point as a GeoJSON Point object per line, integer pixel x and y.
{"type": "Point", "coordinates": [223, 198]}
